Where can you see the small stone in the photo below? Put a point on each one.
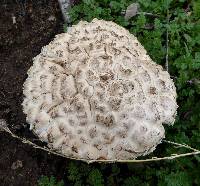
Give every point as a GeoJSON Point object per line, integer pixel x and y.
{"type": "Point", "coordinates": [3, 125]}
{"type": "Point", "coordinates": [51, 18]}
{"type": "Point", "coordinates": [17, 164]}
{"type": "Point", "coordinates": [131, 10]}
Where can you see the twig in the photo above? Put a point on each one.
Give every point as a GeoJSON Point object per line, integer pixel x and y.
{"type": "Point", "coordinates": [65, 6]}
{"type": "Point", "coordinates": [173, 156]}
{"type": "Point", "coordinates": [167, 44]}
{"type": "Point", "coordinates": [147, 14]}
{"type": "Point", "coordinates": [148, 160]}
{"type": "Point", "coordinates": [181, 145]}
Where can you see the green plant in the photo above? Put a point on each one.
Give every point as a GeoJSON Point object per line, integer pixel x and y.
{"type": "Point", "coordinates": [82, 174]}
{"type": "Point", "coordinates": [45, 181]}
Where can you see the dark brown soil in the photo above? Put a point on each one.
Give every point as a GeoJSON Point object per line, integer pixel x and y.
{"type": "Point", "coordinates": [19, 42]}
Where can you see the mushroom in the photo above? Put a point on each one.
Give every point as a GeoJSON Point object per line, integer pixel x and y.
{"type": "Point", "coordinates": [94, 93]}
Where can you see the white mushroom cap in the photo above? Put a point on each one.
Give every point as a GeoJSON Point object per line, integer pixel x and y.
{"type": "Point", "coordinates": [94, 93]}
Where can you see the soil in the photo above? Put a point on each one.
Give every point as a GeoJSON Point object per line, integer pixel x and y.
{"type": "Point", "coordinates": [25, 26]}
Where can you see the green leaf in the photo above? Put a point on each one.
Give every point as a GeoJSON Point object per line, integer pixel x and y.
{"type": "Point", "coordinates": [133, 180]}
{"type": "Point", "coordinates": [176, 179]}
{"type": "Point", "coordinates": [46, 181]}
{"type": "Point", "coordinates": [196, 8]}
{"type": "Point", "coordinates": [95, 178]}
{"type": "Point", "coordinates": [89, 2]}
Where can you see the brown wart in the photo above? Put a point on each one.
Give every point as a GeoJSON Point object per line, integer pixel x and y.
{"type": "Point", "coordinates": [93, 132]}
{"type": "Point", "coordinates": [50, 138]}
{"type": "Point", "coordinates": [109, 120]}
{"type": "Point", "coordinates": [152, 90]}
{"type": "Point", "coordinates": [122, 133]}
{"type": "Point", "coordinates": [114, 103]}
{"type": "Point", "coordinates": [74, 149]}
